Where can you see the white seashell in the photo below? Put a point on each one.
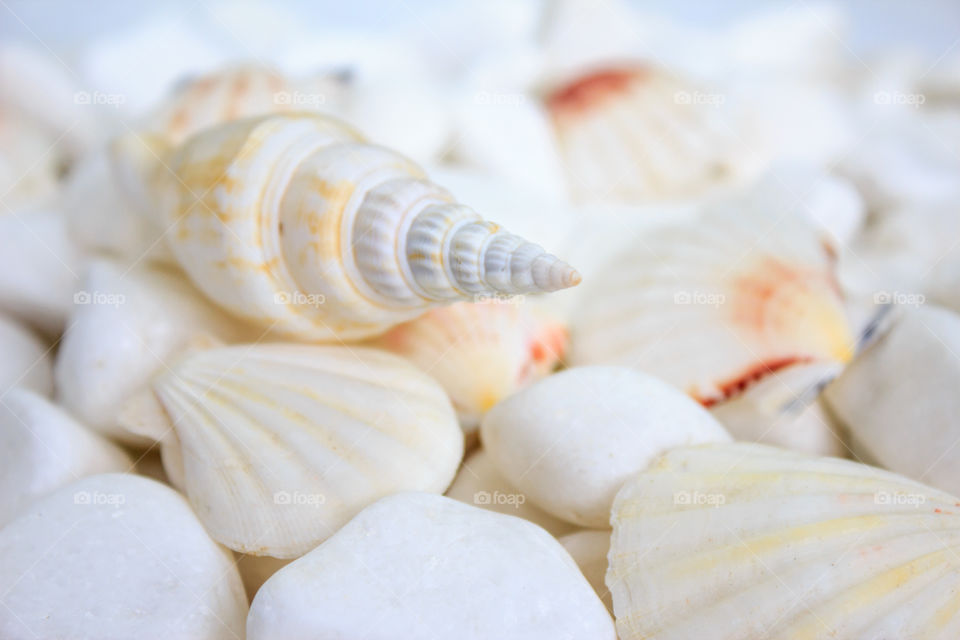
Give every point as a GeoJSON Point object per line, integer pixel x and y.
{"type": "Point", "coordinates": [25, 361]}
{"type": "Point", "coordinates": [632, 134]}
{"type": "Point", "coordinates": [125, 326]}
{"type": "Point", "coordinates": [419, 566]}
{"type": "Point", "coordinates": [712, 307]}
{"type": "Point", "coordinates": [281, 444]}
{"type": "Point", "coordinates": [746, 541]}
{"type": "Point", "coordinates": [42, 448]}
{"type": "Point", "coordinates": [480, 352]}
{"type": "Point", "coordinates": [784, 409]}
{"type": "Point", "coordinates": [589, 550]}
{"type": "Point", "coordinates": [39, 267]}
{"type": "Point", "coordinates": [479, 483]}
{"type": "Point", "coordinates": [898, 398]}
{"type": "Point", "coordinates": [569, 441]}
{"type": "Point", "coordinates": [116, 556]}
{"type": "Point", "coordinates": [295, 223]}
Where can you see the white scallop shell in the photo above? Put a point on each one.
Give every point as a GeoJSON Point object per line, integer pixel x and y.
{"type": "Point", "coordinates": [296, 223]}
{"type": "Point", "coordinates": [116, 556]}
{"type": "Point", "coordinates": [480, 352]}
{"type": "Point", "coordinates": [125, 326]}
{"type": "Point", "coordinates": [898, 398]}
{"type": "Point", "coordinates": [569, 441]}
{"type": "Point", "coordinates": [746, 541]}
{"type": "Point", "coordinates": [281, 444]}
{"type": "Point", "coordinates": [714, 305]}
{"type": "Point", "coordinates": [418, 566]}
{"type": "Point", "coordinates": [42, 448]}
{"type": "Point", "coordinates": [25, 361]}
{"type": "Point", "coordinates": [479, 483]}
{"type": "Point", "coordinates": [635, 133]}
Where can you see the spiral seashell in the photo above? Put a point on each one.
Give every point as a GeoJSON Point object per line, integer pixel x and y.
{"type": "Point", "coordinates": [746, 541]}
{"type": "Point", "coordinates": [296, 223]}
{"type": "Point", "coordinates": [634, 133]}
{"type": "Point", "coordinates": [281, 444]}
{"type": "Point", "coordinates": [716, 305]}
{"type": "Point", "coordinates": [480, 352]}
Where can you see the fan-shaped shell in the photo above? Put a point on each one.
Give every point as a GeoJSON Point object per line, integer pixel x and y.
{"type": "Point", "coordinates": [283, 443]}
{"type": "Point", "coordinates": [295, 222]}
{"type": "Point", "coordinates": [714, 305]}
{"type": "Point", "coordinates": [746, 541]}
{"type": "Point", "coordinates": [636, 133]}
{"type": "Point", "coordinates": [480, 352]}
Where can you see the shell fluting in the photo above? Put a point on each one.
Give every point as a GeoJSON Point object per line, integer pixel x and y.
{"type": "Point", "coordinates": [746, 541]}
{"type": "Point", "coordinates": [296, 222]}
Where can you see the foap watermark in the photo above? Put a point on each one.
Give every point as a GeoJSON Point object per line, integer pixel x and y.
{"type": "Point", "coordinates": [499, 298]}
{"type": "Point", "coordinates": [899, 498]}
{"type": "Point", "coordinates": [299, 99]}
{"type": "Point", "coordinates": [99, 498]}
{"type": "Point", "coordinates": [99, 298]}
{"type": "Point", "coordinates": [899, 98]}
{"type": "Point", "coordinates": [699, 97]}
{"type": "Point", "coordinates": [900, 298]}
{"type": "Point", "coordinates": [114, 100]}
{"type": "Point", "coordinates": [299, 298]}
{"type": "Point", "coordinates": [499, 498]}
{"type": "Point", "coordinates": [499, 98]}
{"type": "Point", "coordinates": [299, 498]}
{"type": "Point", "coordinates": [697, 498]}
{"type": "Point", "coordinates": [699, 298]}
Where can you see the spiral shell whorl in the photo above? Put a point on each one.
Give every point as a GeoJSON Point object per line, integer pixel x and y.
{"type": "Point", "coordinates": [295, 221]}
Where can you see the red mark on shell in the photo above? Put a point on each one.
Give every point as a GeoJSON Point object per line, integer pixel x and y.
{"type": "Point", "coordinates": [588, 91]}
{"type": "Point", "coordinates": [741, 382]}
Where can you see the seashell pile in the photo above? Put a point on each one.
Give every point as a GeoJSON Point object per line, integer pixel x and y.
{"type": "Point", "coordinates": [526, 319]}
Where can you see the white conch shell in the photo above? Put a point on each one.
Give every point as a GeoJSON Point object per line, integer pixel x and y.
{"type": "Point", "coordinates": [746, 541]}
{"type": "Point", "coordinates": [898, 398]}
{"type": "Point", "coordinates": [480, 352]}
{"type": "Point", "coordinates": [419, 567]}
{"type": "Point", "coordinates": [42, 448]}
{"type": "Point", "coordinates": [295, 222]}
{"type": "Point", "coordinates": [714, 305]}
{"type": "Point", "coordinates": [634, 133]}
{"type": "Point", "coordinates": [39, 268]}
{"type": "Point", "coordinates": [784, 409]}
{"type": "Point", "coordinates": [569, 441]}
{"type": "Point", "coordinates": [283, 443]}
{"type": "Point", "coordinates": [589, 549]}
{"type": "Point", "coordinates": [25, 360]}
{"type": "Point", "coordinates": [479, 483]}
{"type": "Point", "coordinates": [116, 556]}
{"type": "Point", "coordinates": [125, 326]}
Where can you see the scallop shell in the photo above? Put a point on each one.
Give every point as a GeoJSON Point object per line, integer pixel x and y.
{"type": "Point", "coordinates": [283, 443]}
{"type": "Point", "coordinates": [479, 483]}
{"type": "Point", "coordinates": [25, 360]}
{"type": "Point", "coordinates": [42, 448]}
{"type": "Point", "coordinates": [746, 541]}
{"type": "Point", "coordinates": [635, 133]}
{"type": "Point", "coordinates": [569, 442]}
{"type": "Point", "coordinates": [296, 223]}
{"type": "Point", "coordinates": [480, 352]}
{"type": "Point", "coordinates": [898, 398]}
{"type": "Point", "coordinates": [124, 327]}
{"type": "Point", "coordinates": [713, 306]}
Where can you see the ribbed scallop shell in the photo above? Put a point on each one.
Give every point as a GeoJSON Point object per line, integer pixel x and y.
{"type": "Point", "coordinates": [635, 133]}
{"type": "Point", "coordinates": [283, 443]}
{"type": "Point", "coordinates": [713, 305]}
{"type": "Point", "coordinates": [480, 352]}
{"type": "Point", "coordinates": [743, 541]}
{"type": "Point", "coordinates": [297, 223]}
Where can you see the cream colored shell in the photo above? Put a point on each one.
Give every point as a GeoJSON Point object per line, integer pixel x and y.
{"type": "Point", "coordinates": [743, 541]}
{"type": "Point", "coordinates": [281, 444]}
